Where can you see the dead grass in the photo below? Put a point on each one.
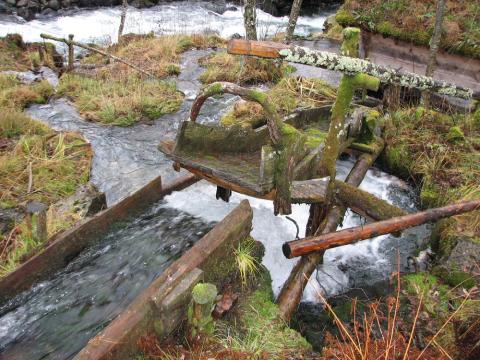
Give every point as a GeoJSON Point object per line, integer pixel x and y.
{"type": "Point", "coordinates": [397, 327]}
{"type": "Point", "coordinates": [20, 56]}
{"type": "Point", "coordinates": [159, 56]}
{"type": "Point", "coordinates": [116, 94]}
{"type": "Point", "coordinates": [442, 154]}
{"type": "Point", "coordinates": [288, 95]}
{"type": "Point", "coordinates": [225, 67]}
{"type": "Point", "coordinates": [120, 102]}
{"type": "Point", "coordinates": [36, 163]}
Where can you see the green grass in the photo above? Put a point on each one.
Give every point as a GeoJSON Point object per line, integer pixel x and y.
{"type": "Point", "coordinates": [441, 154]}
{"type": "Point", "coordinates": [120, 102]}
{"type": "Point", "coordinates": [248, 265]}
{"type": "Point", "coordinates": [258, 330]}
{"type": "Point", "coordinates": [413, 21]}
{"type": "Point", "coordinates": [55, 164]}
{"type": "Point", "coordinates": [20, 56]}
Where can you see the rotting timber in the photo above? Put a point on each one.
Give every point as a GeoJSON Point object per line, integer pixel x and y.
{"type": "Point", "coordinates": [275, 162]}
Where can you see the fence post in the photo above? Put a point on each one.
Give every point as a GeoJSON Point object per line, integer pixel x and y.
{"type": "Point", "coordinates": [70, 53]}
{"type": "Point", "coordinates": [37, 221]}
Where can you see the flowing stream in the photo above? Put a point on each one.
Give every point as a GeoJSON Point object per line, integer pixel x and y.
{"type": "Point", "coordinates": [56, 318]}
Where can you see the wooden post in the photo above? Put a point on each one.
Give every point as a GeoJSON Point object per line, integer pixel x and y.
{"type": "Point", "coordinates": [200, 318]}
{"type": "Point", "coordinates": [71, 54]}
{"type": "Point", "coordinates": [292, 290]}
{"type": "Point", "coordinates": [348, 236]}
{"type": "Point", "coordinates": [37, 221]}
{"type": "Point", "coordinates": [101, 52]}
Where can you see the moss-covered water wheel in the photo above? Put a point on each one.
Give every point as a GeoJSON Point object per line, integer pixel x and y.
{"type": "Point", "coordinates": [261, 162]}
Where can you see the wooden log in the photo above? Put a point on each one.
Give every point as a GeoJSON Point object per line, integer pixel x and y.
{"type": "Point", "coordinates": [348, 236]}
{"type": "Point", "coordinates": [274, 121]}
{"type": "Point", "coordinates": [365, 204]}
{"type": "Point", "coordinates": [292, 289]}
{"type": "Point", "coordinates": [346, 64]}
{"type": "Point", "coordinates": [101, 52]}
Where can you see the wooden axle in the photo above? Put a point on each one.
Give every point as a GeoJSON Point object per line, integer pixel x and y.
{"type": "Point", "coordinates": [323, 242]}
{"type": "Point", "coordinates": [347, 65]}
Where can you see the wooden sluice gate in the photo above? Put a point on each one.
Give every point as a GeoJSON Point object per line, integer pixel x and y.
{"type": "Point", "coordinates": [277, 162]}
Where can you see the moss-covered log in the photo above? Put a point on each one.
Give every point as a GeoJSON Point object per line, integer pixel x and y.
{"type": "Point", "coordinates": [347, 65]}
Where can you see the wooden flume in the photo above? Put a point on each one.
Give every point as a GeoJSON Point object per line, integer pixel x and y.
{"type": "Point", "coordinates": [327, 241]}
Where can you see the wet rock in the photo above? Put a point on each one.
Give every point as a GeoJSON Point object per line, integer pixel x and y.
{"type": "Point", "coordinates": [86, 201]}
{"type": "Point", "coordinates": [11, 2]}
{"type": "Point", "coordinates": [465, 255]}
{"type": "Point", "coordinates": [8, 218]}
{"type": "Point", "coordinates": [28, 77]}
{"type": "Point", "coordinates": [21, 3]}
{"type": "Point", "coordinates": [218, 6]}
{"type": "Point", "coordinates": [3, 6]}
{"type": "Point", "coordinates": [54, 4]}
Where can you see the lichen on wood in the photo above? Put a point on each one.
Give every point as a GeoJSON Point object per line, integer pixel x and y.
{"type": "Point", "coordinates": [386, 75]}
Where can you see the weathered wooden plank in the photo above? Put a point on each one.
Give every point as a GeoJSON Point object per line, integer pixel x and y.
{"type": "Point", "coordinates": [70, 243]}
{"type": "Point", "coordinates": [212, 254]}
{"type": "Point", "coordinates": [348, 236]}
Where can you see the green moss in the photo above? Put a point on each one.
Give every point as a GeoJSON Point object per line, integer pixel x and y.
{"type": "Point", "coordinates": [435, 295]}
{"type": "Point", "coordinates": [430, 195]}
{"type": "Point", "coordinates": [456, 278]}
{"type": "Point", "coordinates": [344, 17]}
{"type": "Point", "coordinates": [386, 28]}
{"type": "Point", "coordinates": [455, 135]}
{"type": "Point", "coordinates": [315, 137]}
{"type": "Point", "coordinates": [262, 331]}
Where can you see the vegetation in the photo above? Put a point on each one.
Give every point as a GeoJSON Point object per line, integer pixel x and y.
{"type": "Point", "coordinates": [442, 154]}
{"type": "Point", "coordinates": [225, 67]}
{"type": "Point", "coordinates": [36, 163]}
{"type": "Point", "coordinates": [116, 94]}
{"type": "Point", "coordinates": [288, 95]}
{"type": "Point", "coordinates": [159, 56]}
{"type": "Point", "coordinates": [420, 322]}
{"type": "Point", "coordinates": [121, 102]}
{"type": "Point", "coordinates": [19, 56]}
{"type": "Point", "coordinates": [413, 21]}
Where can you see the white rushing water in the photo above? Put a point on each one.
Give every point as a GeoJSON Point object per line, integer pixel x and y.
{"type": "Point", "coordinates": [343, 267]}
{"type": "Point", "coordinates": [101, 25]}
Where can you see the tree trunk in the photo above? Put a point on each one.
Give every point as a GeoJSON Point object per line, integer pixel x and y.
{"type": "Point", "coordinates": [348, 236]}
{"type": "Point", "coordinates": [434, 45]}
{"type": "Point", "coordinates": [292, 21]}
{"type": "Point", "coordinates": [122, 19]}
{"type": "Point", "coordinates": [250, 19]}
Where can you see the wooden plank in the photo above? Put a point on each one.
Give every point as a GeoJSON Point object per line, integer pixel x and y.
{"type": "Point", "coordinates": [213, 254]}
{"type": "Point", "coordinates": [348, 236]}
{"type": "Point", "coordinates": [70, 243]}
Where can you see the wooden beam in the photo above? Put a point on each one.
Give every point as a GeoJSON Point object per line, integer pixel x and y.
{"type": "Point", "coordinates": [347, 65]}
{"type": "Point", "coordinates": [348, 236]}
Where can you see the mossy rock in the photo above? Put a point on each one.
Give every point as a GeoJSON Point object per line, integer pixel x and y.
{"type": "Point", "coordinates": [430, 195]}
{"type": "Point", "coordinates": [204, 293]}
